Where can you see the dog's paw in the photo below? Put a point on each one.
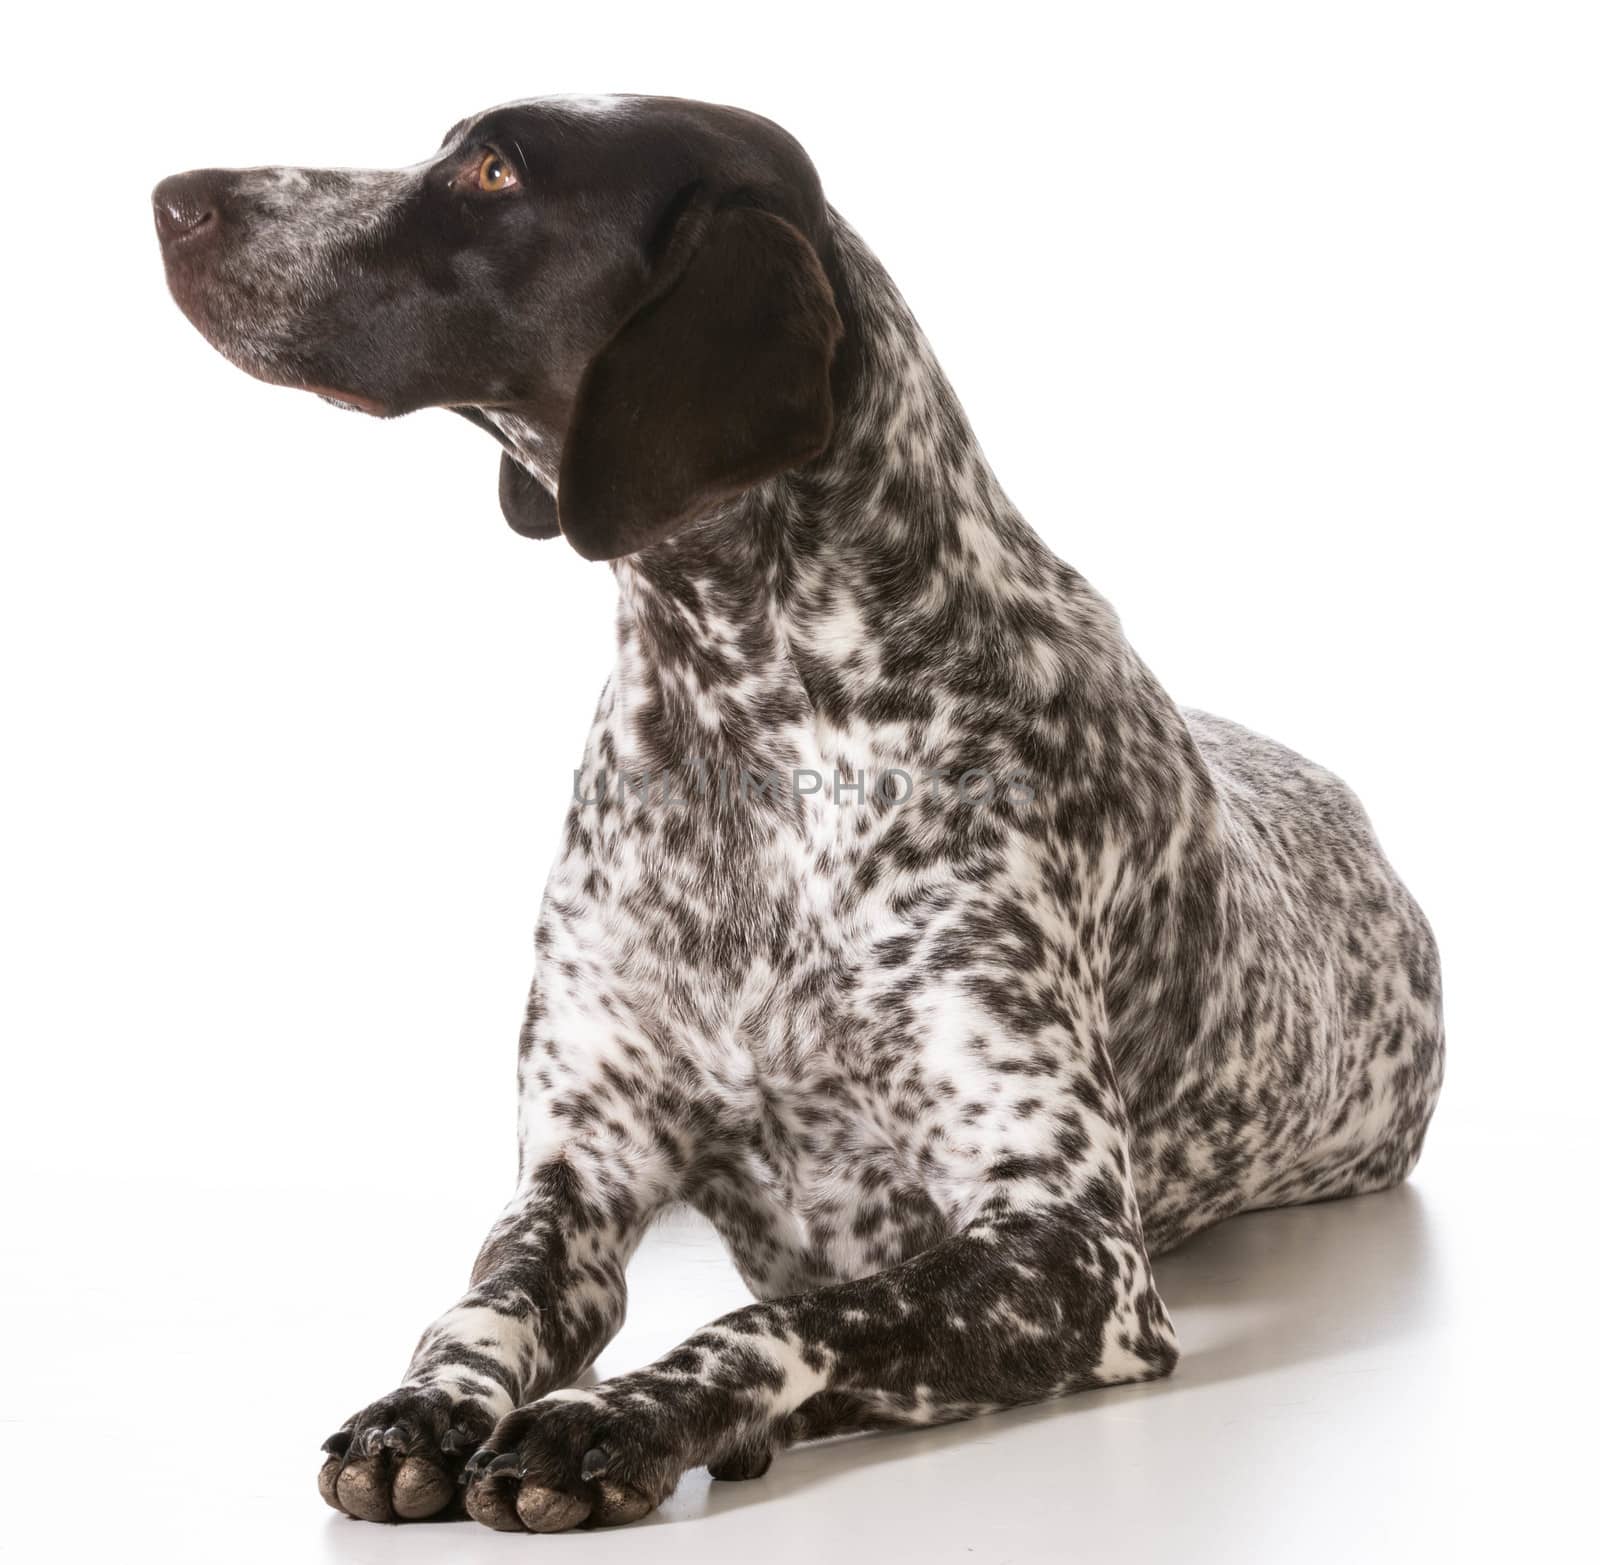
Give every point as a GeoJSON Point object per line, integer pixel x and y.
{"type": "Point", "coordinates": [576, 1458]}
{"type": "Point", "coordinates": [400, 1459]}
{"type": "Point", "coordinates": [749, 1459]}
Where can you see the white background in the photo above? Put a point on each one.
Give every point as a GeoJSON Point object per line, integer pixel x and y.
{"type": "Point", "coordinates": [1279, 321]}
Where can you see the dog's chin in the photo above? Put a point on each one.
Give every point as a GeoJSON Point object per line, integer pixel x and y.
{"type": "Point", "coordinates": [274, 372]}
{"type": "Point", "coordinates": [350, 401]}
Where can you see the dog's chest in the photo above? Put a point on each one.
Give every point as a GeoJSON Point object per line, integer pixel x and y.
{"type": "Point", "coordinates": [739, 890]}
{"type": "Point", "coordinates": [735, 890]}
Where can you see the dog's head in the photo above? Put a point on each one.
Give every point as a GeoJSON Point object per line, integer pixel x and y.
{"type": "Point", "coordinates": [639, 282]}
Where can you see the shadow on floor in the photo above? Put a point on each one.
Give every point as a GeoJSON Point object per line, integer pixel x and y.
{"type": "Point", "coordinates": [1261, 1292]}
{"type": "Point", "coordinates": [1270, 1289]}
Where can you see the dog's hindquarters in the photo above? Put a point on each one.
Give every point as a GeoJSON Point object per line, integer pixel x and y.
{"type": "Point", "coordinates": [1314, 1065]}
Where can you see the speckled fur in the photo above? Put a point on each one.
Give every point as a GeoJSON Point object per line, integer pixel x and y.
{"type": "Point", "coordinates": [943, 1073]}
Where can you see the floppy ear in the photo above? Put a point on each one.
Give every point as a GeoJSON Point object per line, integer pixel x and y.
{"type": "Point", "coordinates": [710, 387]}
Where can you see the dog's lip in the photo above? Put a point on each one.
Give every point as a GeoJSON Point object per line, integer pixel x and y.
{"type": "Point", "coordinates": [346, 399]}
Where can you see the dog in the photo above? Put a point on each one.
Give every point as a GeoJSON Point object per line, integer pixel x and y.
{"type": "Point", "coordinates": [903, 925]}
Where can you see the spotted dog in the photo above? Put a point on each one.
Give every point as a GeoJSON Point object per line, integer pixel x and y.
{"type": "Point", "coordinates": [1005, 975]}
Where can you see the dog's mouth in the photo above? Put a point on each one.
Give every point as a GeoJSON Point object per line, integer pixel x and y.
{"type": "Point", "coordinates": [250, 345]}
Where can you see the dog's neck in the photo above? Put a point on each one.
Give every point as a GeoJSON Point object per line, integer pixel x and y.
{"type": "Point", "coordinates": [898, 539]}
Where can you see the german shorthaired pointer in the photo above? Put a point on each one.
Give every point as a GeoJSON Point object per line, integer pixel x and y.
{"type": "Point", "coordinates": [903, 925]}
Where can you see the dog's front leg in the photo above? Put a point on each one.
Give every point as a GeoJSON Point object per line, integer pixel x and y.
{"type": "Point", "coordinates": [1045, 1288]}
{"type": "Point", "coordinates": [547, 1294]}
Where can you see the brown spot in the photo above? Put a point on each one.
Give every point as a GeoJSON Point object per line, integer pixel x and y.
{"type": "Point", "coordinates": [421, 1488]}
{"type": "Point", "coordinates": [363, 1490]}
{"type": "Point", "coordinates": [549, 1510]}
{"type": "Point", "coordinates": [617, 1505]}
{"type": "Point", "coordinates": [490, 1501]}
{"type": "Point", "coordinates": [327, 1479]}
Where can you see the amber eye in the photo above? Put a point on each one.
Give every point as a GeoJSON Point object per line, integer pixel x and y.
{"type": "Point", "coordinates": [494, 173]}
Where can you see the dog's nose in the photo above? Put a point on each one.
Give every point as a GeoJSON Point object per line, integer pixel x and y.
{"type": "Point", "coordinates": [187, 207]}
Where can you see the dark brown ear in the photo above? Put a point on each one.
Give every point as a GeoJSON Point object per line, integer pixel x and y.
{"type": "Point", "coordinates": [712, 386]}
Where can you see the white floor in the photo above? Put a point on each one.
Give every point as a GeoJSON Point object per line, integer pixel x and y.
{"type": "Point", "coordinates": [1366, 1380]}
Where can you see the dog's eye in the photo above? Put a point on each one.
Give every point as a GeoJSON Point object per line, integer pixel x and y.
{"type": "Point", "coordinates": [494, 173]}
